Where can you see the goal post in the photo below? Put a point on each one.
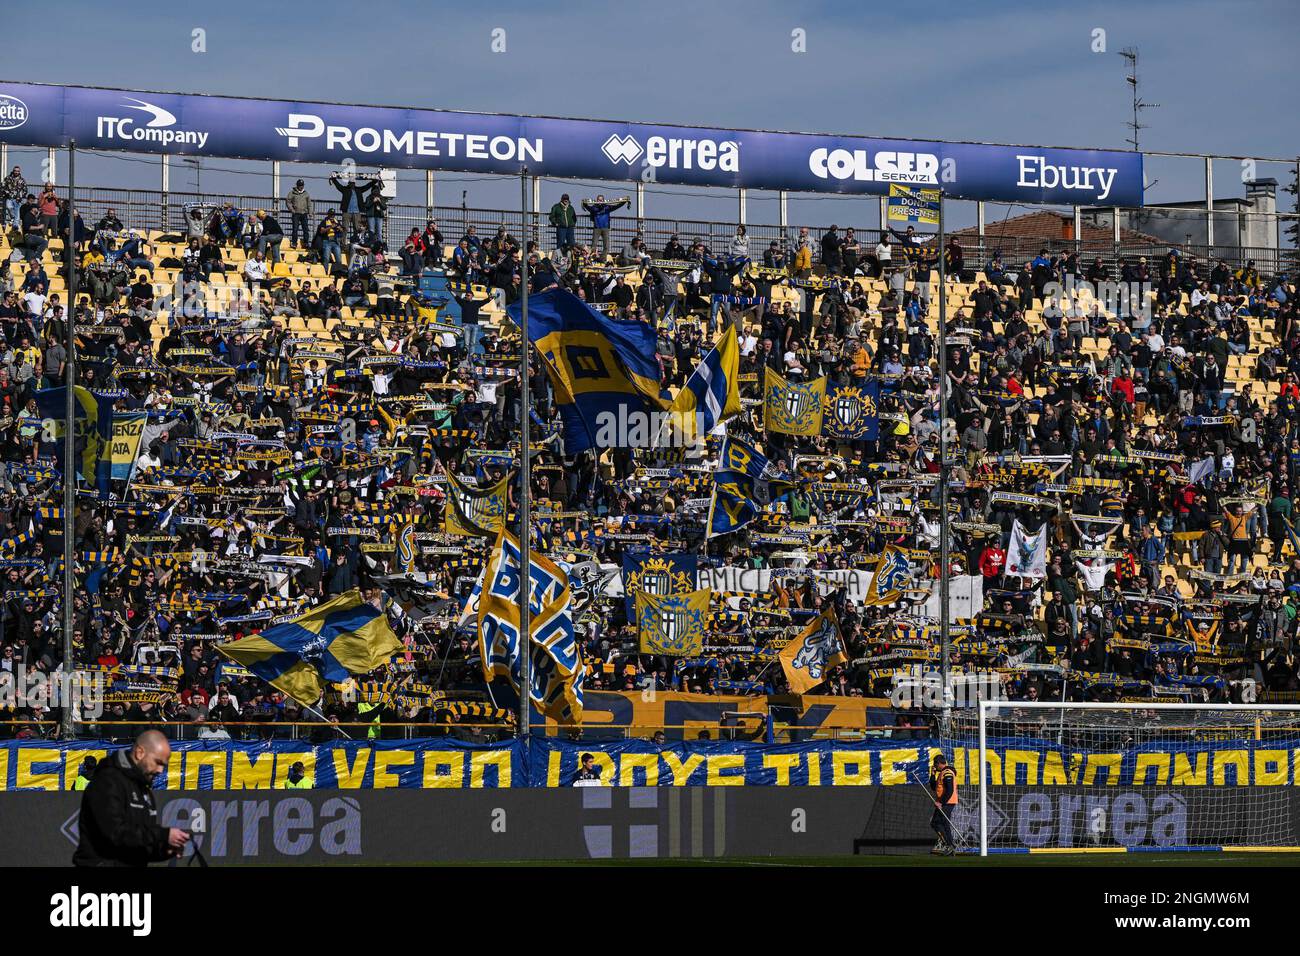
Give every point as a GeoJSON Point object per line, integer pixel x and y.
{"type": "Point", "coordinates": [1128, 777]}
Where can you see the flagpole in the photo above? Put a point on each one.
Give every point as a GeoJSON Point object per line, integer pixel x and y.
{"type": "Point", "coordinates": [944, 560]}
{"type": "Point", "coordinates": [525, 505]}
{"type": "Point", "coordinates": [70, 442]}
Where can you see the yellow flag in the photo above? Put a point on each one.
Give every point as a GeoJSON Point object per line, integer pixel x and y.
{"type": "Point", "coordinates": [817, 649]}
{"type": "Point", "coordinates": [673, 624]}
{"type": "Point", "coordinates": [792, 408]}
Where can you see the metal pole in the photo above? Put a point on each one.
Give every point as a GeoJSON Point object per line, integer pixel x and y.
{"type": "Point", "coordinates": [165, 176]}
{"type": "Point", "coordinates": [428, 194]}
{"type": "Point", "coordinates": [70, 439]}
{"type": "Point", "coordinates": [275, 183]}
{"type": "Point", "coordinates": [943, 462]}
{"type": "Point", "coordinates": [525, 508]}
{"type": "Point", "coordinates": [979, 228]}
{"type": "Point", "coordinates": [640, 202]}
{"type": "Point", "coordinates": [742, 196]}
{"type": "Point", "coordinates": [783, 211]}
{"type": "Point", "coordinates": [51, 156]}
{"type": "Point", "coordinates": [984, 797]}
{"type": "Point", "coordinates": [1209, 207]}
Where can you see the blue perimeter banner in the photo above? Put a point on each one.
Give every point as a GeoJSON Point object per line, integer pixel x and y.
{"type": "Point", "coordinates": [550, 762]}
{"type": "Point", "coordinates": [194, 125]}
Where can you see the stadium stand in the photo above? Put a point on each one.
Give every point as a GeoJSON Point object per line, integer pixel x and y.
{"type": "Point", "coordinates": [1126, 429]}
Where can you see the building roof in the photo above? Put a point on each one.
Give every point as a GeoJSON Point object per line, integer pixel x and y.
{"type": "Point", "coordinates": [1047, 226]}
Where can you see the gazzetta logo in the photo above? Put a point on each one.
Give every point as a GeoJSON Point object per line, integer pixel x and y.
{"type": "Point", "coordinates": [157, 128]}
{"type": "Point", "coordinates": [13, 112]}
{"type": "Point", "coordinates": [674, 153]}
{"type": "Point", "coordinates": [888, 166]}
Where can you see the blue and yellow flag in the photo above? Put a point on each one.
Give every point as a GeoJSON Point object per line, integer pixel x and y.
{"type": "Point", "coordinates": [343, 636]}
{"type": "Point", "coordinates": [890, 577]}
{"type": "Point", "coordinates": [673, 624]}
{"type": "Point", "coordinates": [405, 550]}
{"type": "Point", "coordinates": [476, 512]}
{"type": "Point", "coordinates": [659, 574]}
{"type": "Point", "coordinates": [556, 665]}
{"type": "Point", "coordinates": [793, 408]}
{"type": "Point", "coordinates": [605, 372]}
{"type": "Point", "coordinates": [817, 649]}
{"type": "Point", "coordinates": [736, 487]}
{"type": "Point", "coordinates": [741, 487]}
{"type": "Point", "coordinates": [913, 204]}
{"type": "Point", "coordinates": [93, 431]}
{"type": "Point", "coordinates": [712, 393]}
{"type": "Point", "coordinates": [851, 412]}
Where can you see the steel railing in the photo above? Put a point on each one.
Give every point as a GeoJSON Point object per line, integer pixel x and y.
{"type": "Point", "coordinates": [166, 212]}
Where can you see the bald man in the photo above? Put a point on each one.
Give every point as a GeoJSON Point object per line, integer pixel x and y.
{"type": "Point", "coordinates": [119, 820]}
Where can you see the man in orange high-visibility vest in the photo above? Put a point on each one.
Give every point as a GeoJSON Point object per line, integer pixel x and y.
{"type": "Point", "coordinates": [943, 784]}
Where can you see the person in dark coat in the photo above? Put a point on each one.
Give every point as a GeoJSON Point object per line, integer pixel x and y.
{"type": "Point", "coordinates": [118, 825]}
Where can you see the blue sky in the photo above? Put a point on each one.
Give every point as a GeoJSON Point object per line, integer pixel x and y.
{"type": "Point", "coordinates": [997, 71]}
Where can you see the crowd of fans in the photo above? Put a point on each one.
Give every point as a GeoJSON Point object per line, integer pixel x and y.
{"type": "Point", "coordinates": [305, 388]}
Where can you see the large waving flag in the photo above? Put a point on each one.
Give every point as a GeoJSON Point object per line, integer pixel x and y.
{"type": "Point", "coordinates": [673, 624]}
{"type": "Point", "coordinates": [342, 637]}
{"type": "Point", "coordinates": [605, 372]}
{"type": "Point", "coordinates": [793, 408]}
{"type": "Point", "coordinates": [556, 662]}
{"type": "Point", "coordinates": [817, 649]}
{"type": "Point", "coordinates": [712, 393]}
{"type": "Point", "coordinates": [476, 512]}
{"type": "Point", "coordinates": [740, 487]}
{"type": "Point", "coordinates": [93, 431]}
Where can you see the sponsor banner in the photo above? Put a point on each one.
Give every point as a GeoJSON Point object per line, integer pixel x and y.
{"type": "Point", "coordinates": [575, 823]}
{"type": "Point", "coordinates": [300, 132]}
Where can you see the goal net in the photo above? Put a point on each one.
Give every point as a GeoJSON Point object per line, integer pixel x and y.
{"type": "Point", "coordinates": [1125, 777]}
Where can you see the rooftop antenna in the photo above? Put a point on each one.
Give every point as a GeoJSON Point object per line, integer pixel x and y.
{"type": "Point", "coordinates": [1136, 126]}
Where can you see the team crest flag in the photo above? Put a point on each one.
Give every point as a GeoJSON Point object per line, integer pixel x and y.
{"type": "Point", "coordinates": [603, 370]}
{"type": "Point", "coordinates": [674, 624]}
{"type": "Point", "coordinates": [341, 637]}
{"type": "Point", "coordinates": [793, 408]}
{"type": "Point", "coordinates": [476, 512]}
{"type": "Point", "coordinates": [555, 661]}
{"type": "Point", "coordinates": [1027, 556]}
{"type": "Point", "coordinates": [656, 574]}
{"type": "Point", "coordinates": [851, 412]}
{"type": "Point", "coordinates": [890, 577]}
{"type": "Point", "coordinates": [712, 393]}
{"type": "Point", "coordinates": [817, 649]}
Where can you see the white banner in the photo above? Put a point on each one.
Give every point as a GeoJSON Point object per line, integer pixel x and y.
{"type": "Point", "coordinates": [965, 598]}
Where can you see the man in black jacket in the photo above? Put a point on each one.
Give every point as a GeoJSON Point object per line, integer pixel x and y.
{"type": "Point", "coordinates": [119, 821]}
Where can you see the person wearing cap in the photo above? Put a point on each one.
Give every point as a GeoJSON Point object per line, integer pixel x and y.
{"type": "Point", "coordinates": [271, 237]}
{"type": "Point", "coordinates": [565, 220]}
